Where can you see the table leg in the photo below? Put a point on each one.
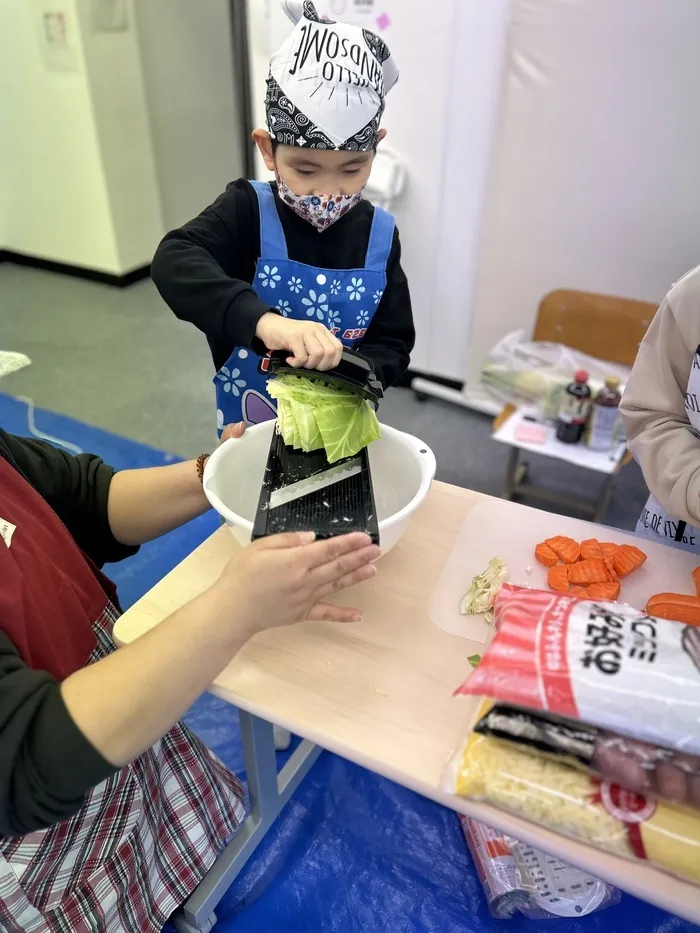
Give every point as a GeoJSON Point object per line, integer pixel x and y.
{"type": "Point", "coordinates": [268, 792]}
{"type": "Point", "coordinates": [604, 499]}
{"type": "Point", "coordinates": [511, 473]}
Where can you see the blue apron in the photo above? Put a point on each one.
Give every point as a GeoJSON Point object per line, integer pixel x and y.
{"type": "Point", "coordinates": [345, 300]}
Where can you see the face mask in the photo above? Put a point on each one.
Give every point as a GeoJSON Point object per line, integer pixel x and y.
{"type": "Point", "coordinates": [319, 210]}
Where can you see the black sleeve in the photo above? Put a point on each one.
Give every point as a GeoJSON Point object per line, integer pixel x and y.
{"type": "Point", "coordinates": [391, 335]}
{"type": "Point", "coordinates": [76, 488]}
{"type": "Point", "coordinates": [47, 766]}
{"type": "Point", "coordinates": [196, 269]}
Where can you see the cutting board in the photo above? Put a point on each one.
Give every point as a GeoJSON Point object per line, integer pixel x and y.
{"type": "Point", "coordinates": [511, 531]}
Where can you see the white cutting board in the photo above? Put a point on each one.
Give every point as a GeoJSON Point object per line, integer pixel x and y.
{"type": "Point", "coordinates": [511, 531]}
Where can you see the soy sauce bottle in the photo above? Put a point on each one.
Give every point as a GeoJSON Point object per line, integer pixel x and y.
{"type": "Point", "coordinates": [574, 408]}
{"type": "Point", "coordinates": [603, 425]}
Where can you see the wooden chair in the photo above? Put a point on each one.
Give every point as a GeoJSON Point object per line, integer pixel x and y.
{"type": "Point", "coordinates": [604, 326]}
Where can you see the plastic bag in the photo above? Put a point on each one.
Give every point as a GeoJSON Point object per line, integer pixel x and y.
{"type": "Point", "coordinates": [518, 878]}
{"type": "Point", "coordinates": [522, 370]}
{"type": "Point", "coordinates": [636, 766]}
{"type": "Point", "coordinates": [602, 663]}
{"type": "Point", "coordinates": [574, 804]}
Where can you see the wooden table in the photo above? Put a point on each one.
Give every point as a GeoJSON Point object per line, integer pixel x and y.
{"type": "Point", "coordinates": [377, 692]}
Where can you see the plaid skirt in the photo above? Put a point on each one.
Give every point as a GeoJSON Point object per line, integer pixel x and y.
{"type": "Point", "coordinates": [137, 848]}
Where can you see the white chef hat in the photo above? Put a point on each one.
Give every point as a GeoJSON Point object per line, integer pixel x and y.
{"type": "Point", "coordinates": [327, 83]}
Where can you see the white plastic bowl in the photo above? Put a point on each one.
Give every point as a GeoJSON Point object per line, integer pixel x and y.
{"type": "Point", "coordinates": [402, 470]}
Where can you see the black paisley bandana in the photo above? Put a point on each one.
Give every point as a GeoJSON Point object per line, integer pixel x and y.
{"type": "Point", "coordinates": [327, 83]}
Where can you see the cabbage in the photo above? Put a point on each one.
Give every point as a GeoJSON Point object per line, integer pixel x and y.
{"type": "Point", "coordinates": [312, 415]}
{"type": "Point", "coordinates": [484, 588]}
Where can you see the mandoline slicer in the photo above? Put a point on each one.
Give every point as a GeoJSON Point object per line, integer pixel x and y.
{"type": "Point", "coordinates": [303, 491]}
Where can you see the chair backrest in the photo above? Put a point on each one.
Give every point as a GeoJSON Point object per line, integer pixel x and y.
{"type": "Point", "coordinates": [603, 326]}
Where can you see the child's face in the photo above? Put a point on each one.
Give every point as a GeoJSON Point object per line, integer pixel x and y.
{"type": "Point", "coordinates": [316, 171]}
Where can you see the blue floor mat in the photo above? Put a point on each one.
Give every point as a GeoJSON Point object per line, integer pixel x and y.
{"type": "Point", "coordinates": [352, 851]}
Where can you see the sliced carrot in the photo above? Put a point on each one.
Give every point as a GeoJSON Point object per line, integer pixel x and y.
{"type": "Point", "coordinates": [591, 550]}
{"type": "Point", "coordinates": [610, 567]}
{"type": "Point", "coordinates": [588, 571]}
{"type": "Point", "coordinates": [558, 578]}
{"type": "Point", "coordinates": [578, 591]}
{"type": "Point", "coordinates": [627, 559]}
{"type": "Point", "coordinates": [609, 549]}
{"type": "Point", "coordinates": [566, 549]}
{"type": "Point", "coordinates": [545, 555]}
{"type": "Point", "coordinates": [609, 591]}
{"type": "Point", "coordinates": [696, 579]}
{"type": "Point", "coordinates": [675, 606]}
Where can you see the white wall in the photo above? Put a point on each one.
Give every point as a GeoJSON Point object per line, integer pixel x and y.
{"type": "Point", "coordinates": [596, 179]}
{"type": "Point", "coordinates": [54, 195]}
{"type": "Point", "coordinates": [187, 65]}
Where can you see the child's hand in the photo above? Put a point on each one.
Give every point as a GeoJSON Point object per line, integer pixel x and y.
{"type": "Point", "coordinates": [311, 345]}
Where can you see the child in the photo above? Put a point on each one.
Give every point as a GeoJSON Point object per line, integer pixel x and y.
{"type": "Point", "coordinates": [303, 264]}
{"type": "Point", "coordinates": [661, 413]}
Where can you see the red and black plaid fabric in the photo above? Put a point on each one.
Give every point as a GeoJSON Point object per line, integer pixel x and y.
{"type": "Point", "coordinates": [138, 847]}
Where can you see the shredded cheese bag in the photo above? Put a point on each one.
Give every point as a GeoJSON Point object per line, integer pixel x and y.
{"type": "Point", "coordinates": [576, 804]}
{"type": "Point", "coordinates": [601, 663]}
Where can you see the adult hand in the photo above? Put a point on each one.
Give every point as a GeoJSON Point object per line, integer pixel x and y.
{"type": "Point", "coordinates": [311, 345]}
{"type": "Point", "coordinates": [284, 579]}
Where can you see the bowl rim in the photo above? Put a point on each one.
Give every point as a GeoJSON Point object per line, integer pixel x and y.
{"type": "Point", "coordinates": [426, 460]}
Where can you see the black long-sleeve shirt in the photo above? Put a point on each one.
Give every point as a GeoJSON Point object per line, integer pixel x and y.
{"type": "Point", "coordinates": [204, 269]}
{"type": "Point", "coordinates": [47, 766]}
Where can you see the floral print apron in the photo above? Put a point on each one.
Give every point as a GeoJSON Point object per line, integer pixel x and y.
{"type": "Point", "coordinates": [345, 300]}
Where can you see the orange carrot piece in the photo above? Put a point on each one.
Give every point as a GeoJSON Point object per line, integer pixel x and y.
{"type": "Point", "coordinates": [609, 549]}
{"type": "Point", "coordinates": [558, 578]}
{"type": "Point", "coordinates": [676, 607]}
{"type": "Point", "coordinates": [696, 579]}
{"type": "Point", "coordinates": [608, 591]}
{"type": "Point", "coordinates": [588, 571]}
{"type": "Point", "coordinates": [627, 559]}
{"type": "Point", "coordinates": [578, 591]}
{"type": "Point", "coordinates": [545, 555]}
{"type": "Point", "coordinates": [566, 549]}
{"type": "Point", "coordinates": [610, 567]}
{"type": "Point", "coordinates": [591, 550]}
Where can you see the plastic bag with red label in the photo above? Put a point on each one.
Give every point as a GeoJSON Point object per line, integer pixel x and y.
{"type": "Point", "coordinates": [602, 663]}
{"type": "Point", "coordinates": [518, 878]}
{"type": "Point", "coordinates": [575, 804]}
{"type": "Point", "coordinates": [634, 765]}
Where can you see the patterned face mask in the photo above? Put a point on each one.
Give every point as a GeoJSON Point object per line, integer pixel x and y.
{"type": "Point", "coordinates": [319, 210]}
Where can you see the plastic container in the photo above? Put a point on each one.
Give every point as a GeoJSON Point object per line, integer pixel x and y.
{"type": "Point", "coordinates": [574, 409]}
{"type": "Point", "coordinates": [604, 423]}
{"type": "Point", "coordinates": [403, 469]}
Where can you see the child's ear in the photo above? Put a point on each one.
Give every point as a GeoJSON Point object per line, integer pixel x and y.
{"type": "Point", "coordinates": [262, 140]}
{"type": "Point", "coordinates": [381, 135]}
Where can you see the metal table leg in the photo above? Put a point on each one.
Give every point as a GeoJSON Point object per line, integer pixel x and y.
{"type": "Point", "coordinates": [603, 500]}
{"type": "Point", "coordinates": [511, 473]}
{"type": "Point", "coordinates": [268, 792]}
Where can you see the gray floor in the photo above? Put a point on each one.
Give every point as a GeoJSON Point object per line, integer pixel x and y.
{"type": "Point", "coordinates": [119, 359]}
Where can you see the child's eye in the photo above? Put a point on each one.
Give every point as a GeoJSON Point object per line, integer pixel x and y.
{"type": "Point", "coordinates": [351, 171]}
{"type": "Point", "coordinates": [305, 171]}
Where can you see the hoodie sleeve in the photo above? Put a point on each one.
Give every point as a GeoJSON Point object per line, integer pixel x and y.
{"type": "Point", "coordinates": [657, 405]}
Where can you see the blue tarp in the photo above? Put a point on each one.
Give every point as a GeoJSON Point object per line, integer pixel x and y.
{"type": "Point", "coordinates": [352, 851]}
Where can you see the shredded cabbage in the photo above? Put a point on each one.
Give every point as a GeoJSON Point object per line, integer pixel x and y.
{"type": "Point", "coordinates": [312, 415]}
{"type": "Point", "coordinates": [484, 588]}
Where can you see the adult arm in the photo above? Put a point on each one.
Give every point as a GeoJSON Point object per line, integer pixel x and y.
{"type": "Point", "coordinates": [658, 429]}
{"type": "Point", "coordinates": [391, 334]}
{"type": "Point", "coordinates": [59, 740]}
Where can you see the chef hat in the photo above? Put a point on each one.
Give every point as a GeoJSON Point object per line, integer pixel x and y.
{"type": "Point", "coordinates": [327, 83]}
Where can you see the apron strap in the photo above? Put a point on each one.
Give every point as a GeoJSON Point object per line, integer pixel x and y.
{"type": "Point", "coordinates": [381, 238]}
{"type": "Point", "coordinates": [272, 242]}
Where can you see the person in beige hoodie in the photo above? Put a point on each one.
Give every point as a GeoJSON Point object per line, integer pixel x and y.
{"type": "Point", "coordinates": [661, 413]}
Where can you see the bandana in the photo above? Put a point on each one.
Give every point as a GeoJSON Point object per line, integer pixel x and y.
{"type": "Point", "coordinates": [320, 210]}
{"type": "Point", "coordinates": [327, 83]}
